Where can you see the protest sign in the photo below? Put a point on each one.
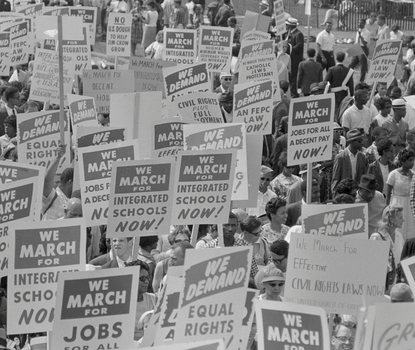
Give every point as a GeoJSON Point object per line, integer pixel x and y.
{"type": "Point", "coordinates": [197, 345]}
{"type": "Point", "coordinates": [38, 255]}
{"type": "Point", "coordinates": [77, 53]}
{"type": "Point", "coordinates": [96, 309]}
{"type": "Point", "coordinates": [100, 84]}
{"type": "Point", "coordinates": [31, 10]}
{"type": "Point", "coordinates": [89, 17]}
{"type": "Point", "coordinates": [180, 45]}
{"type": "Point", "coordinates": [19, 42]}
{"type": "Point", "coordinates": [203, 185]}
{"type": "Point", "coordinates": [199, 106]}
{"type": "Point", "coordinates": [141, 197]}
{"type": "Point", "coordinates": [291, 326]}
{"type": "Point", "coordinates": [408, 266]}
{"type": "Point", "coordinates": [97, 135]}
{"type": "Point", "coordinates": [45, 78]}
{"type": "Point", "coordinates": [47, 26]}
{"type": "Point", "coordinates": [180, 80]}
{"type": "Point", "coordinates": [338, 220]}
{"type": "Point", "coordinates": [248, 318]}
{"type": "Point", "coordinates": [279, 16]}
{"type": "Point", "coordinates": [95, 167]}
{"type": "Point", "coordinates": [394, 326]}
{"type": "Point", "coordinates": [384, 60]}
{"type": "Point", "coordinates": [148, 73]}
{"type": "Point", "coordinates": [215, 48]}
{"type": "Point", "coordinates": [253, 106]}
{"type": "Point", "coordinates": [310, 129]}
{"type": "Point", "coordinates": [256, 35]}
{"type": "Point", "coordinates": [215, 285]}
{"type": "Point", "coordinates": [5, 62]}
{"type": "Point", "coordinates": [10, 172]}
{"type": "Point", "coordinates": [82, 110]}
{"type": "Point", "coordinates": [56, 11]}
{"type": "Point", "coordinates": [226, 136]}
{"type": "Point", "coordinates": [254, 21]}
{"type": "Point", "coordinates": [39, 136]}
{"type": "Point", "coordinates": [119, 34]}
{"type": "Point", "coordinates": [334, 273]}
{"type": "Point", "coordinates": [18, 203]}
{"type": "Point", "coordinates": [167, 137]}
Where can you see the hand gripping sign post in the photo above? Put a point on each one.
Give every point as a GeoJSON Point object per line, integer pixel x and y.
{"type": "Point", "coordinates": [291, 326]}
{"type": "Point", "coordinates": [39, 254]}
{"type": "Point", "coordinates": [180, 46]}
{"type": "Point", "coordinates": [140, 200]}
{"type": "Point", "coordinates": [96, 309]}
{"type": "Point", "coordinates": [119, 35]}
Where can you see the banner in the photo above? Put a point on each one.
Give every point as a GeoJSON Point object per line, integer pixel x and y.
{"type": "Point", "coordinates": [82, 111]}
{"type": "Point", "coordinates": [291, 326]}
{"type": "Point", "coordinates": [180, 45]}
{"type": "Point", "coordinates": [310, 129]}
{"type": "Point", "coordinates": [338, 220]}
{"type": "Point", "coordinates": [253, 106]}
{"type": "Point", "coordinates": [148, 73]}
{"type": "Point", "coordinates": [215, 48]}
{"type": "Point", "coordinates": [279, 16]}
{"type": "Point", "coordinates": [384, 60]}
{"type": "Point", "coordinates": [256, 35]}
{"type": "Point", "coordinates": [95, 168]}
{"type": "Point", "coordinates": [38, 255]}
{"type": "Point", "coordinates": [96, 309]}
{"type": "Point", "coordinates": [56, 11]}
{"type": "Point", "coordinates": [39, 136]}
{"type": "Point", "coordinates": [100, 84]}
{"type": "Point", "coordinates": [89, 17]}
{"type": "Point", "coordinates": [141, 197]}
{"type": "Point", "coordinates": [336, 274]}
{"type": "Point", "coordinates": [5, 61]}
{"type": "Point", "coordinates": [202, 107]}
{"type": "Point", "coordinates": [180, 81]}
{"type": "Point", "coordinates": [227, 136]}
{"type": "Point", "coordinates": [197, 345]}
{"type": "Point", "coordinates": [11, 171]}
{"type": "Point", "coordinates": [31, 10]}
{"type": "Point", "coordinates": [119, 34]}
{"type": "Point", "coordinates": [18, 203]}
{"type": "Point", "coordinates": [215, 285]}
{"type": "Point", "coordinates": [97, 135]}
{"type": "Point", "coordinates": [19, 42]}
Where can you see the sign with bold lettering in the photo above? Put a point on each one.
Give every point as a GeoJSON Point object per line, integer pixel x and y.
{"type": "Point", "coordinates": [89, 17]}
{"type": "Point", "coordinates": [253, 106]}
{"type": "Point", "coordinates": [384, 60]}
{"type": "Point", "coordinates": [180, 46]}
{"type": "Point", "coordinates": [202, 107]}
{"type": "Point", "coordinates": [141, 199]}
{"type": "Point", "coordinates": [19, 42]}
{"type": "Point", "coordinates": [167, 137]}
{"type": "Point", "coordinates": [82, 110]}
{"type": "Point", "coordinates": [408, 266]}
{"type": "Point", "coordinates": [203, 185]}
{"type": "Point", "coordinates": [291, 326]}
{"type": "Point", "coordinates": [215, 285]}
{"type": "Point", "coordinates": [310, 129]}
{"type": "Point", "coordinates": [338, 220]}
{"type": "Point", "coordinates": [336, 274]}
{"type": "Point", "coordinates": [279, 15]}
{"type": "Point", "coordinates": [56, 11]}
{"type": "Point", "coordinates": [226, 136]}
{"type": "Point", "coordinates": [97, 135]}
{"type": "Point", "coordinates": [38, 255]}
{"type": "Point", "coordinates": [95, 168]}
{"type": "Point", "coordinates": [96, 309]}
{"type": "Point", "coordinates": [11, 171]}
{"type": "Point", "coordinates": [119, 34]}
{"type": "Point", "coordinates": [5, 61]}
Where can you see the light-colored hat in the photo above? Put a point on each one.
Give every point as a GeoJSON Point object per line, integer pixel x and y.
{"type": "Point", "coordinates": [399, 103]}
{"type": "Point", "coordinates": [292, 21]}
{"type": "Point", "coordinates": [224, 74]}
{"type": "Point", "coordinates": [265, 170]}
{"type": "Point", "coordinates": [271, 273]}
{"type": "Point", "coordinates": [354, 134]}
{"type": "Point", "coordinates": [264, 3]}
{"type": "Point", "coordinates": [336, 126]}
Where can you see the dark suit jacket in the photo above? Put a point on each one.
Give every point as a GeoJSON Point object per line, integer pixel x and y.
{"type": "Point", "coordinates": [309, 72]}
{"type": "Point", "coordinates": [335, 76]}
{"type": "Point", "coordinates": [222, 16]}
{"type": "Point", "coordinates": [374, 169]}
{"type": "Point", "coordinates": [294, 212]}
{"type": "Point", "coordinates": [342, 168]}
{"type": "Point", "coordinates": [110, 264]}
{"type": "Point", "coordinates": [296, 40]}
{"type": "Point", "coordinates": [3, 116]}
{"type": "Point", "coordinates": [280, 145]}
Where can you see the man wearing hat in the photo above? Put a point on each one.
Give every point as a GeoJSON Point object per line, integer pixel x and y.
{"type": "Point", "coordinates": [351, 162]}
{"type": "Point", "coordinates": [396, 126]}
{"type": "Point", "coordinates": [296, 39]}
{"type": "Point", "coordinates": [309, 71]}
{"type": "Point", "coordinates": [264, 191]}
{"type": "Point", "coordinates": [375, 200]}
{"type": "Point", "coordinates": [225, 79]}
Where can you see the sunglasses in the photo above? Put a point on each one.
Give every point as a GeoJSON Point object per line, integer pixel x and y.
{"type": "Point", "coordinates": [273, 285]}
{"type": "Point", "coordinates": [227, 79]}
{"type": "Point", "coordinates": [181, 240]}
{"type": "Point", "coordinates": [265, 179]}
{"type": "Point", "coordinates": [144, 278]}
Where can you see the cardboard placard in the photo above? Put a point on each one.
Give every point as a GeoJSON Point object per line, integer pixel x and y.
{"type": "Point", "coordinates": [310, 129]}
{"type": "Point", "coordinates": [254, 21]}
{"type": "Point", "coordinates": [141, 197]}
{"type": "Point", "coordinates": [95, 168]}
{"type": "Point", "coordinates": [351, 220]}
{"type": "Point", "coordinates": [89, 17]}
{"type": "Point", "coordinates": [47, 25]}
{"type": "Point", "coordinates": [38, 255]}
{"type": "Point", "coordinates": [56, 11]}
{"type": "Point", "coordinates": [256, 35]}
{"type": "Point", "coordinates": [202, 107]}
{"type": "Point", "coordinates": [97, 135]}
{"type": "Point", "coordinates": [180, 45]}
{"type": "Point", "coordinates": [19, 42]}
{"type": "Point", "coordinates": [82, 110]}
{"type": "Point", "coordinates": [38, 136]}
{"type": "Point", "coordinates": [96, 309]}
{"type": "Point", "coordinates": [11, 171]}
{"type": "Point", "coordinates": [119, 34]}
{"type": "Point", "coordinates": [215, 48]}
{"type": "Point", "coordinates": [253, 103]}
{"type": "Point", "coordinates": [197, 345]}
{"type": "Point", "coordinates": [248, 317]}
{"type": "Point", "coordinates": [224, 136]}
{"type": "Point", "coordinates": [279, 15]}
{"type": "Point", "coordinates": [31, 10]}
{"type": "Point", "coordinates": [334, 273]}
{"type": "Point", "coordinates": [408, 266]}
{"type": "Point", "coordinates": [291, 326]}
{"type": "Point", "coordinates": [203, 185]}
{"type": "Point", "coordinates": [5, 61]}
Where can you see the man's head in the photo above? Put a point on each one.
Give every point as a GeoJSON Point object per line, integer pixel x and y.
{"type": "Point", "coordinates": [381, 20]}
{"type": "Point", "coordinates": [367, 187]}
{"type": "Point", "coordinates": [10, 126]}
{"type": "Point", "coordinates": [328, 26]}
{"type": "Point", "coordinates": [226, 80]}
{"type": "Point", "coordinates": [178, 253]}
{"type": "Point", "coordinates": [401, 293]}
{"type": "Point", "coordinates": [373, 17]}
{"type": "Point", "coordinates": [122, 247]}
{"type": "Point", "coordinates": [291, 23]}
{"type": "Point", "coordinates": [279, 254]}
{"type": "Point", "coordinates": [177, 3]}
{"type": "Point", "coordinates": [229, 229]}
{"type": "Point", "coordinates": [315, 194]}
{"type": "Point", "coordinates": [382, 88]}
{"type": "Point", "coordinates": [362, 23]}
{"type": "Point", "coordinates": [232, 22]}
{"type": "Point", "coordinates": [12, 97]}
{"type": "Point", "coordinates": [340, 56]}
{"type": "Point", "coordinates": [73, 209]}
{"type": "Point", "coordinates": [148, 242]}
{"type": "Point", "coordinates": [67, 182]}
{"type": "Point", "coordinates": [265, 177]}
{"type": "Point", "coordinates": [344, 336]}
{"type": "Point", "coordinates": [379, 133]}
{"type": "Point", "coordinates": [104, 119]}
{"type": "Point", "coordinates": [384, 105]}
{"type": "Point", "coordinates": [385, 148]}
{"type": "Point", "coordinates": [410, 139]}
{"type": "Point", "coordinates": [361, 97]}
{"type": "Point", "coordinates": [354, 138]}
{"type": "Point", "coordinates": [347, 186]}
{"type": "Point", "coordinates": [311, 52]}
{"type": "Point", "coordinates": [361, 85]}
{"type": "Point", "coordinates": [399, 108]}
{"type": "Point", "coordinates": [284, 85]}
{"type": "Point", "coordinates": [179, 234]}
{"type": "Point", "coordinates": [396, 92]}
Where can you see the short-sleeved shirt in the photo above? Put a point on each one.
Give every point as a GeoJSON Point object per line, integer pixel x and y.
{"type": "Point", "coordinates": [325, 40]}
{"type": "Point", "coordinates": [372, 28]}
{"type": "Point", "coordinates": [56, 205]}
{"type": "Point", "coordinates": [354, 118]}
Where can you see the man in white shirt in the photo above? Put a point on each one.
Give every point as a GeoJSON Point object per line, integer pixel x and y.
{"type": "Point", "coordinates": [362, 38]}
{"type": "Point", "coordinates": [264, 192]}
{"type": "Point", "coordinates": [325, 45]}
{"type": "Point", "coordinates": [383, 30]}
{"type": "Point", "coordinates": [358, 115]}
